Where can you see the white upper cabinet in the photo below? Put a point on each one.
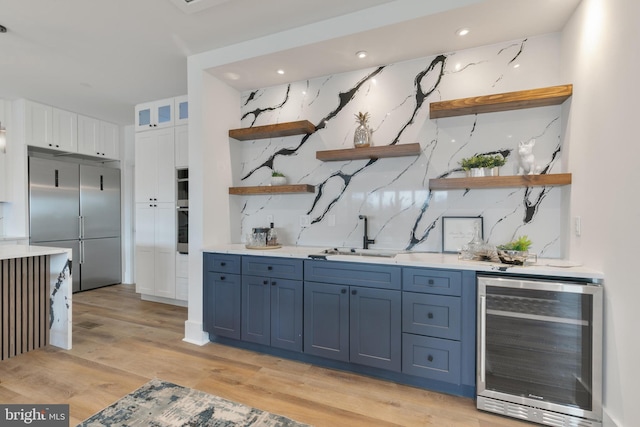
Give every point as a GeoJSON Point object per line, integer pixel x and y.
{"type": "Point", "coordinates": [182, 146]}
{"type": "Point", "coordinates": [59, 130]}
{"type": "Point", "coordinates": [181, 110]}
{"type": "Point", "coordinates": [97, 138]}
{"type": "Point", "coordinates": [110, 140]}
{"type": "Point", "coordinates": [50, 127]}
{"type": "Point", "coordinates": [155, 115]}
{"type": "Point", "coordinates": [39, 125]}
{"type": "Point", "coordinates": [65, 130]}
{"type": "Point", "coordinates": [155, 173]}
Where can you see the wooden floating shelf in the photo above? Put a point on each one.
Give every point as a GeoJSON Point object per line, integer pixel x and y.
{"type": "Point", "coordinates": [400, 150]}
{"type": "Point", "coordinates": [301, 127]}
{"type": "Point", "coordinates": [273, 189]}
{"type": "Point", "coordinates": [545, 180]}
{"type": "Point", "coordinates": [554, 95]}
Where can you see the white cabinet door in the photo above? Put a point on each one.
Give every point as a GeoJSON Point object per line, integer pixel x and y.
{"type": "Point", "coordinates": [155, 249]}
{"type": "Point", "coordinates": [165, 235]}
{"type": "Point", "coordinates": [154, 166]}
{"type": "Point", "coordinates": [154, 115]}
{"type": "Point", "coordinates": [64, 130]}
{"type": "Point", "coordinates": [182, 146]}
{"type": "Point", "coordinates": [109, 140]}
{"type": "Point", "coordinates": [39, 125]}
{"type": "Point", "coordinates": [145, 248]}
{"type": "Point", "coordinates": [88, 135]}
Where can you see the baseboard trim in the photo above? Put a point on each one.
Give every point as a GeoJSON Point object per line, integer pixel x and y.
{"type": "Point", "coordinates": [163, 300]}
{"type": "Point", "coordinates": [194, 334]}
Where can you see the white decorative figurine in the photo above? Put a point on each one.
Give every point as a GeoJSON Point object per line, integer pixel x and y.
{"type": "Point", "coordinates": [526, 159]}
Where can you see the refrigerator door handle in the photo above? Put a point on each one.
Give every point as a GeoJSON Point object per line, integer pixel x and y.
{"type": "Point", "coordinates": [82, 227]}
{"type": "Point", "coordinates": [81, 252]}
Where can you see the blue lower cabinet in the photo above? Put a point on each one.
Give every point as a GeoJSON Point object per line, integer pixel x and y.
{"type": "Point", "coordinates": [221, 298]}
{"type": "Point", "coordinates": [433, 315]}
{"type": "Point", "coordinates": [433, 358]}
{"type": "Point", "coordinates": [375, 327]}
{"type": "Point", "coordinates": [326, 320]}
{"type": "Point", "coordinates": [272, 312]}
{"type": "Point", "coordinates": [353, 324]}
{"type": "Point", "coordinates": [408, 324]}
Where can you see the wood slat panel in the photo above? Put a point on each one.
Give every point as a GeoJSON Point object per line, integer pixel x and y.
{"type": "Point", "coordinates": [5, 309]}
{"type": "Point", "coordinates": [25, 308]}
{"type": "Point", "coordinates": [45, 329]}
{"type": "Point", "coordinates": [541, 97]}
{"type": "Point", "coordinates": [273, 131]}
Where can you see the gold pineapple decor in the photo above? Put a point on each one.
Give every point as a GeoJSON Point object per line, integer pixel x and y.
{"type": "Point", "coordinates": [362, 135]}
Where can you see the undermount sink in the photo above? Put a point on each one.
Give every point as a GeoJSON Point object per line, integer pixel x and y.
{"type": "Point", "coordinates": [358, 252]}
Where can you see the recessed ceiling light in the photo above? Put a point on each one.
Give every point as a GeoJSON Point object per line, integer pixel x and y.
{"type": "Point", "coordinates": [361, 54]}
{"type": "Point", "coordinates": [232, 76]}
{"type": "Point", "coordinates": [462, 32]}
{"type": "Point", "coordinates": [281, 71]}
{"type": "Point", "coordinates": [516, 65]}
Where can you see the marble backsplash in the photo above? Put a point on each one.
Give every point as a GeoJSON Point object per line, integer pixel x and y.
{"type": "Point", "coordinates": [394, 192]}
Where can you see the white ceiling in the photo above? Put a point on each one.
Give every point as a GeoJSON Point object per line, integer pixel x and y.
{"type": "Point", "coordinates": [101, 57]}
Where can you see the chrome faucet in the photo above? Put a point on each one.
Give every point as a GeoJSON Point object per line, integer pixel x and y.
{"type": "Point", "coordinates": [366, 241]}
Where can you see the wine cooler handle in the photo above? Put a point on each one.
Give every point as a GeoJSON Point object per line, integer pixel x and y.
{"type": "Point", "coordinates": [483, 337]}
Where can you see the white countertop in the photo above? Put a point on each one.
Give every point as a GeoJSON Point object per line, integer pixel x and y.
{"type": "Point", "coordinates": [543, 266]}
{"type": "Point", "coordinates": [23, 251]}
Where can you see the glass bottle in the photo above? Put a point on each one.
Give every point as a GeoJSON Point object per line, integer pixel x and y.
{"type": "Point", "coordinates": [272, 237]}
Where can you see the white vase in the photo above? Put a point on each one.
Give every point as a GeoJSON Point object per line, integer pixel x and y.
{"type": "Point", "coordinates": [477, 172]}
{"type": "Point", "coordinates": [278, 180]}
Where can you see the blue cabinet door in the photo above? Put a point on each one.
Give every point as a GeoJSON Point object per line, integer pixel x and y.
{"type": "Point", "coordinates": [256, 309]}
{"type": "Point", "coordinates": [286, 314]}
{"type": "Point", "coordinates": [376, 328]}
{"type": "Point", "coordinates": [272, 312]}
{"type": "Point", "coordinates": [326, 320]}
{"type": "Point", "coordinates": [221, 301]}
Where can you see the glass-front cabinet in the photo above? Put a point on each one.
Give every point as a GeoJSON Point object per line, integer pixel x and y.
{"type": "Point", "coordinates": [155, 115]}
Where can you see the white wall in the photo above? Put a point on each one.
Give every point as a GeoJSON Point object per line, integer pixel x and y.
{"type": "Point", "coordinates": [600, 57]}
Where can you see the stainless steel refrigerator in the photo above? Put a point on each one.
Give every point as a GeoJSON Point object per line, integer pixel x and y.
{"type": "Point", "coordinates": [77, 206]}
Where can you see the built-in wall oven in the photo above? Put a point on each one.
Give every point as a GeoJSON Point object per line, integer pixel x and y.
{"type": "Point", "coordinates": [182, 205]}
{"type": "Point", "coordinates": [540, 350]}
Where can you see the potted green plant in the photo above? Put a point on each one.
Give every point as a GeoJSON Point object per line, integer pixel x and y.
{"type": "Point", "coordinates": [483, 164]}
{"type": "Point", "coordinates": [278, 178]}
{"type": "Point", "coordinates": [515, 252]}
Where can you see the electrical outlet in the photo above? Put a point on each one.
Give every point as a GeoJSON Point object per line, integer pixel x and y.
{"type": "Point", "coordinates": [305, 221]}
{"type": "Point", "coordinates": [577, 226]}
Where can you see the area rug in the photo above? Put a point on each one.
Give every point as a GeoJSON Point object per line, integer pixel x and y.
{"type": "Point", "coordinates": [163, 404]}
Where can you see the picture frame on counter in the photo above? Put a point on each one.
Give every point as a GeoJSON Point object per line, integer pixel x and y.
{"type": "Point", "coordinates": [457, 231]}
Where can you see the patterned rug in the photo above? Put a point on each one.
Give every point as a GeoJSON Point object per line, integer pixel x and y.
{"type": "Point", "coordinates": [163, 404]}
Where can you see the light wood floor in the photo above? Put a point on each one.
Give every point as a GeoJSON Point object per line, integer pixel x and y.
{"type": "Point", "coordinates": [121, 342]}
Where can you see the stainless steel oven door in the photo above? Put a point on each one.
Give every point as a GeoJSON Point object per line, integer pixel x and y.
{"type": "Point", "coordinates": [182, 219]}
{"type": "Point", "coordinates": [540, 346]}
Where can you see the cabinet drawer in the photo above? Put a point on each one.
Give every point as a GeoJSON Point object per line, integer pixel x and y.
{"type": "Point", "coordinates": [222, 263]}
{"type": "Point", "coordinates": [353, 273]}
{"type": "Point", "coordinates": [432, 358]}
{"type": "Point", "coordinates": [429, 280]}
{"type": "Point", "coordinates": [433, 315]}
{"type": "Point", "coordinates": [272, 267]}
